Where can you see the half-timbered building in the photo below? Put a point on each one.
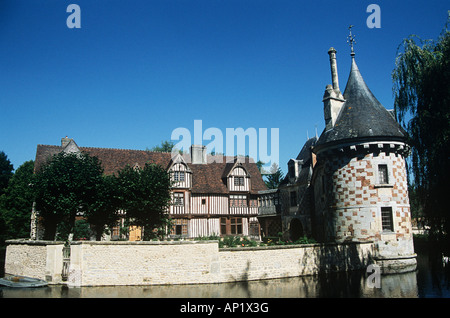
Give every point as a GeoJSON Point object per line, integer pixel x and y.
{"type": "Point", "coordinates": [212, 195]}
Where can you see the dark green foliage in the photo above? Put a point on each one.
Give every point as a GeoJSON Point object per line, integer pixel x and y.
{"type": "Point", "coordinates": [103, 213]}
{"type": "Point", "coordinates": [73, 184]}
{"type": "Point", "coordinates": [67, 185]}
{"type": "Point", "coordinates": [422, 103]}
{"type": "Point", "coordinates": [6, 171]}
{"type": "Point", "coordinates": [16, 203]}
{"type": "Point", "coordinates": [230, 241]}
{"type": "Point", "coordinates": [146, 198]}
{"type": "Point", "coordinates": [273, 180]}
{"type": "Point", "coordinates": [82, 230]}
{"type": "Point", "coordinates": [166, 146]}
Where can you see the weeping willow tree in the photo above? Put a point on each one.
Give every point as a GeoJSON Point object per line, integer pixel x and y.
{"type": "Point", "coordinates": [422, 105]}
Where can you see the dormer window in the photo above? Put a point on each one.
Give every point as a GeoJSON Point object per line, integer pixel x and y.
{"type": "Point", "coordinates": [294, 167]}
{"type": "Point", "coordinates": [239, 181]}
{"type": "Point", "coordinates": [292, 171]}
{"type": "Point", "coordinates": [178, 176]}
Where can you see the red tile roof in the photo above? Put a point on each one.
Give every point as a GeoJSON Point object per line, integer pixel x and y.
{"type": "Point", "coordinates": [207, 178]}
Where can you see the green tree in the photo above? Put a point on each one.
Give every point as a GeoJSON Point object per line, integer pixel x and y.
{"type": "Point", "coordinates": [146, 198]}
{"type": "Point", "coordinates": [166, 146]}
{"type": "Point", "coordinates": [82, 230]}
{"type": "Point", "coordinates": [275, 177]}
{"type": "Point", "coordinates": [65, 186]}
{"type": "Point", "coordinates": [103, 213]}
{"type": "Point", "coordinates": [6, 171]}
{"type": "Point", "coordinates": [422, 103]}
{"type": "Point", "coordinates": [17, 201]}
{"type": "Point", "coordinates": [260, 164]}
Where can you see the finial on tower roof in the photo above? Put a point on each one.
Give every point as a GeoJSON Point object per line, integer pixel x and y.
{"type": "Point", "coordinates": [351, 39]}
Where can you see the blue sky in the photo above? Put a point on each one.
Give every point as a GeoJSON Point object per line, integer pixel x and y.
{"type": "Point", "coordinates": [136, 70]}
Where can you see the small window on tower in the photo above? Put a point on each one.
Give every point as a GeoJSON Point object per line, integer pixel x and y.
{"type": "Point", "coordinates": [383, 176]}
{"type": "Point", "coordinates": [386, 219]}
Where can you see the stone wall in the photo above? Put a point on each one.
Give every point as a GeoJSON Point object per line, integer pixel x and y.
{"type": "Point", "coordinates": [39, 259]}
{"type": "Point", "coordinates": [183, 262]}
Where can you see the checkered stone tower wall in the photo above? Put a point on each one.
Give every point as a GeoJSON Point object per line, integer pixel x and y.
{"type": "Point", "coordinates": [350, 198]}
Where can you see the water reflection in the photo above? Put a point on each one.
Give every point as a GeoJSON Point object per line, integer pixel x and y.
{"type": "Point", "coordinates": [332, 285]}
{"type": "Point", "coordinates": [428, 281]}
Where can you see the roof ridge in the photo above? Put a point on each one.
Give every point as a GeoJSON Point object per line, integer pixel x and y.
{"type": "Point", "coordinates": [54, 146]}
{"type": "Point", "coordinates": [125, 149]}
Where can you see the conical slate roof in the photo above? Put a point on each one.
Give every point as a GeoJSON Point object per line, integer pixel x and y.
{"type": "Point", "coordinates": [362, 116]}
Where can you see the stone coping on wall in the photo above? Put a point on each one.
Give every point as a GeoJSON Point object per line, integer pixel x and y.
{"type": "Point", "coordinates": [185, 242]}
{"type": "Point", "coordinates": [42, 242]}
{"type": "Point", "coordinates": [32, 242]}
{"type": "Point", "coordinates": [274, 247]}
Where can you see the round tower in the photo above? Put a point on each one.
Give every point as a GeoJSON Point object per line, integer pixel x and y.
{"type": "Point", "coordinates": [360, 180]}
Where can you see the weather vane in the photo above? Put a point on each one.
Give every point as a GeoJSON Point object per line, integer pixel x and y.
{"type": "Point", "coordinates": [351, 38]}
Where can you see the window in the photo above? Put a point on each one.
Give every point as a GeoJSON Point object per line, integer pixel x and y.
{"type": "Point", "coordinates": [238, 200]}
{"type": "Point", "coordinates": [178, 198]}
{"type": "Point", "coordinates": [230, 226]}
{"type": "Point", "coordinates": [238, 181]}
{"type": "Point", "coordinates": [253, 229]}
{"type": "Point", "coordinates": [203, 201]}
{"type": "Point", "coordinates": [236, 226]}
{"type": "Point", "coordinates": [179, 227]}
{"type": "Point", "coordinates": [387, 223]}
{"type": "Point", "coordinates": [293, 198]}
{"type": "Point", "coordinates": [292, 170]}
{"type": "Point", "coordinates": [276, 199]}
{"type": "Point", "coordinates": [383, 176]}
{"type": "Point", "coordinates": [178, 175]}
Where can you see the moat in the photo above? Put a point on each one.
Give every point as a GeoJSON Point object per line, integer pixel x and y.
{"type": "Point", "coordinates": [430, 280]}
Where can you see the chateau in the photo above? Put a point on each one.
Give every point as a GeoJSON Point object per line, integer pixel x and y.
{"type": "Point", "coordinates": [348, 185]}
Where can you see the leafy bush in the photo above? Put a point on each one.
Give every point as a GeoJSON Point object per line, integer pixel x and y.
{"type": "Point", "coordinates": [231, 241]}
{"type": "Point", "coordinates": [82, 230]}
